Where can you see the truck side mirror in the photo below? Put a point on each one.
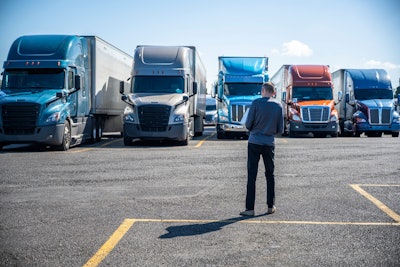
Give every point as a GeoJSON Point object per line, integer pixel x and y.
{"type": "Point", "coordinates": [213, 91]}
{"type": "Point", "coordinates": [347, 97]}
{"type": "Point", "coordinates": [340, 95]}
{"type": "Point", "coordinates": [284, 97]}
{"type": "Point", "coordinates": [121, 87]}
{"type": "Point", "coordinates": [77, 82]}
{"type": "Point", "coordinates": [194, 88]}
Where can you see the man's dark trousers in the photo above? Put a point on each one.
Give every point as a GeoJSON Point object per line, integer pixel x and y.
{"type": "Point", "coordinates": [254, 152]}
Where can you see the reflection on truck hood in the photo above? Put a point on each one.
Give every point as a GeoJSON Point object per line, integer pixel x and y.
{"type": "Point", "coordinates": [377, 103]}
{"type": "Point", "coordinates": [230, 100]}
{"type": "Point", "coordinates": [39, 96]}
{"type": "Point", "coordinates": [329, 103]}
{"type": "Point", "coordinates": [159, 99]}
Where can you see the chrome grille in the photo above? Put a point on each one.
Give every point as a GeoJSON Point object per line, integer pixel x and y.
{"type": "Point", "coordinates": [315, 114]}
{"type": "Point", "coordinates": [154, 118]}
{"type": "Point", "coordinates": [237, 112]}
{"type": "Point", "coordinates": [379, 116]}
{"type": "Point", "coordinates": [20, 118]}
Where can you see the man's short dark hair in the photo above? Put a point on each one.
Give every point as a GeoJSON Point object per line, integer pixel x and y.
{"type": "Point", "coordinates": [269, 87]}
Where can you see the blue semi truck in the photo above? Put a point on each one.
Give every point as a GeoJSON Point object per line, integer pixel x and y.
{"type": "Point", "coordinates": [239, 83]}
{"type": "Point", "coordinates": [368, 105]}
{"type": "Point", "coordinates": [61, 90]}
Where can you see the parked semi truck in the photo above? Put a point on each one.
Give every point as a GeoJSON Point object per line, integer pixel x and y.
{"type": "Point", "coordinates": [239, 83]}
{"type": "Point", "coordinates": [307, 97]}
{"type": "Point", "coordinates": [61, 90]}
{"type": "Point", "coordinates": [368, 105]}
{"type": "Point", "coordinates": [167, 96]}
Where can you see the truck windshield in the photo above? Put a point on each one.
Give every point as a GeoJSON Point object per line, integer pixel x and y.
{"type": "Point", "coordinates": [312, 93]}
{"type": "Point", "coordinates": [365, 94]}
{"type": "Point", "coordinates": [16, 79]}
{"type": "Point", "coordinates": [242, 88]}
{"type": "Point", "coordinates": [158, 84]}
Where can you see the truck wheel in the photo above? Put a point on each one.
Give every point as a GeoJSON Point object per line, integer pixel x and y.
{"type": "Point", "coordinates": [184, 142]}
{"type": "Point", "coordinates": [291, 133]}
{"type": "Point", "coordinates": [320, 135]}
{"type": "Point", "coordinates": [335, 134]}
{"type": "Point", "coordinates": [127, 141]}
{"type": "Point", "coordinates": [394, 134]}
{"type": "Point", "coordinates": [220, 135]}
{"type": "Point", "coordinates": [93, 133]}
{"type": "Point", "coordinates": [99, 129]}
{"type": "Point", "coordinates": [66, 142]}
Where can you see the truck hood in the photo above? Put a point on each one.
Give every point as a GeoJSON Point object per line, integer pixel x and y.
{"type": "Point", "coordinates": [38, 96]}
{"type": "Point", "coordinates": [377, 103]}
{"type": "Point", "coordinates": [159, 99]}
{"type": "Point", "coordinates": [329, 103]}
{"type": "Point", "coordinates": [240, 100]}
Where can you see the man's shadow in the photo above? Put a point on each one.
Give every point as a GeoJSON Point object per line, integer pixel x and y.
{"type": "Point", "coordinates": [202, 228]}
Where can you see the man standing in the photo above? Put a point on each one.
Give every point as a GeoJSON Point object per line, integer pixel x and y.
{"type": "Point", "coordinates": [264, 120]}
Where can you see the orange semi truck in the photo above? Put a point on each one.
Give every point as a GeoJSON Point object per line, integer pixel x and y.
{"type": "Point", "coordinates": [306, 94]}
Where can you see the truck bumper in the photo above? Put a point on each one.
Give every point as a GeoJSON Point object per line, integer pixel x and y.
{"type": "Point", "coordinates": [233, 128]}
{"type": "Point", "coordinates": [365, 127]}
{"type": "Point", "coordinates": [48, 135]}
{"type": "Point", "coordinates": [176, 132]}
{"type": "Point", "coordinates": [331, 127]}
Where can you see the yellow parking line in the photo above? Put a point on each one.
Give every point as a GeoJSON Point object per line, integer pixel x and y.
{"type": "Point", "coordinates": [91, 148]}
{"type": "Point", "coordinates": [110, 243]}
{"type": "Point", "coordinates": [203, 140]}
{"type": "Point", "coordinates": [378, 203]}
{"type": "Point", "coordinates": [252, 221]}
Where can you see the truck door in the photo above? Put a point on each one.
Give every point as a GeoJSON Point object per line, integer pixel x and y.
{"type": "Point", "coordinates": [82, 96]}
{"type": "Point", "coordinates": [349, 96]}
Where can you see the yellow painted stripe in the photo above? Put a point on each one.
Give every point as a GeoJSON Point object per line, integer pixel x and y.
{"type": "Point", "coordinates": [91, 148]}
{"type": "Point", "coordinates": [378, 203]}
{"type": "Point", "coordinates": [252, 221]}
{"type": "Point", "coordinates": [110, 244]}
{"type": "Point", "coordinates": [202, 141]}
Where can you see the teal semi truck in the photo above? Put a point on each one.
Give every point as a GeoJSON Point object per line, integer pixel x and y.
{"type": "Point", "coordinates": [368, 105]}
{"type": "Point", "coordinates": [239, 83]}
{"type": "Point", "coordinates": [61, 90]}
{"type": "Point", "coordinates": [167, 95]}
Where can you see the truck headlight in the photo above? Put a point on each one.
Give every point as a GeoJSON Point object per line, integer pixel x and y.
{"type": "Point", "coordinates": [360, 120]}
{"type": "Point", "coordinates": [296, 117]}
{"type": "Point", "coordinates": [334, 118]}
{"type": "Point", "coordinates": [179, 118]}
{"type": "Point", "coordinates": [129, 115]}
{"type": "Point", "coordinates": [55, 117]}
{"type": "Point", "coordinates": [223, 118]}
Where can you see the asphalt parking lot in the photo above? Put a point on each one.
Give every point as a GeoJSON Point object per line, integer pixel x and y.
{"type": "Point", "coordinates": [338, 204]}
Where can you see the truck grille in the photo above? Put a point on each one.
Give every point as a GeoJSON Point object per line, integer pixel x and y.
{"type": "Point", "coordinates": [154, 118]}
{"type": "Point", "coordinates": [380, 116]}
{"type": "Point", "coordinates": [314, 114]}
{"type": "Point", "coordinates": [237, 112]}
{"type": "Point", "coordinates": [20, 118]}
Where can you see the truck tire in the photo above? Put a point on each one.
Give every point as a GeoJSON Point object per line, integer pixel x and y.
{"type": "Point", "coordinates": [66, 142]}
{"type": "Point", "coordinates": [99, 129]}
{"type": "Point", "coordinates": [127, 141]}
{"type": "Point", "coordinates": [220, 135]}
{"type": "Point", "coordinates": [394, 134]}
{"type": "Point", "coordinates": [93, 132]}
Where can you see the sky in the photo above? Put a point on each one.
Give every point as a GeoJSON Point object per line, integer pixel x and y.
{"type": "Point", "coordinates": [338, 33]}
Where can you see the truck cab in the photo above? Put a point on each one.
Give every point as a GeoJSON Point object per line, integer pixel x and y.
{"type": "Point", "coordinates": [167, 95]}
{"type": "Point", "coordinates": [307, 97]}
{"type": "Point", "coordinates": [239, 83]}
{"type": "Point", "coordinates": [369, 106]}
